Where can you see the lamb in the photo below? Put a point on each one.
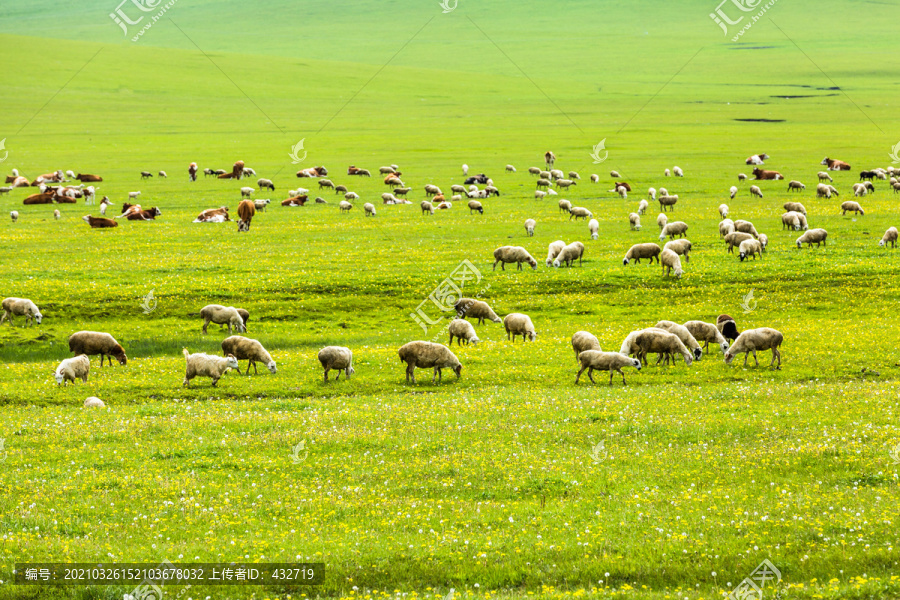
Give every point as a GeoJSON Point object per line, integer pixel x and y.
{"type": "Point", "coordinates": [795, 185]}
{"type": "Point", "coordinates": [344, 206]}
{"type": "Point", "coordinates": [95, 342]}
{"type": "Point", "coordinates": [684, 335]}
{"type": "Point", "coordinates": [755, 191]}
{"type": "Point", "coordinates": [735, 239]}
{"type": "Point", "coordinates": [681, 247]}
{"type": "Point", "coordinates": [659, 342]}
{"type": "Point", "coordinates": [813, 236]}
{"type": "Point", "coordinates": [727, 326]}
{"type": "Point", "coordinates": [553, 251]}
{"type": "Point", "coordinates": [247, 349]}
{"type": "Point", "coordinates": [823, 190]}
{"type": "Point", "coordinates": [753, 340]}
{"type": "Point", "coordinates": [338, 358]}
{"type": "Point", "coordinates": [723, 211]}
{"type": "Point", "coordinates": [706, 332]}
{"type": "Point", "coordinates": [20, 307]}
{"type": "Point", "coordinates": [476, 206]}
{"type": "Point", "coordinates": [795, 207]}
{"type": "Point", "coordinates": [133, 195]}
{"type": "Point", "coordinates": [851, 206]}
{"type": "Point", "coordinates": [565, 206]}
{"type": "Point", "coordinates": [652, 193]}
{"type": "Point", "coordinates": [462, 330]}
{"type": "Point", "coordinates": [72, 368]}
{"type": "Point", "coordinates": [510, 169]}
{"type": "Point", "coordinates": [221, 315]}
{"type": "Point", "coordinates": [206, 365]}
{"type": "Point", "coordinates": [823, 176]}
{"type": "Point", "coordinates": [476, 309]}
{"type": "Point", "coordinates": [261, 204]}
{"type": "Point", "coordinates": [726, 226]}
{"type": "Point", "coordinates": [634, 220]}
{"type": "Point", "coordinates": [246, 192]}
{"type": "Point", "coordinates": [513, 254]}
{"type": "Point", "coordinates": [14, 215]}
{"type": "Point", "coordinates": [670, 262]}
{"type": "Point", "coordinates": [529, 227]}
{"type": "Point", "coordinates": [642, 207]}
{"type": "Point", "coordinates": [677, 172]}
{"type": "Point", "coordinates": [369, 208]}
{"type": "Point", "coordinates": [749, 248]}
{"type": "Point", "coordinates": [746, 227]}
{"type": "Point", "coordinates": [539, 195]}
{"type": "Point", "coordinates": [639, 251]}
{"type": "Point", "coordinates": [661, 220]}
{"type": "Point", "coordinates": [614, 174]}
{"type": "Point", "coordinates": [595, 178]}
{"type": "Point", "coordinates": [517, 324]}
{"type": "Point", "coordinates": [605, 361]}
{"type": "Point", "coordinates": [665, 201]}
{"type": "Point", "coordinates": [889, 236]}
{"type": "Point", "coordinates": [427, 207]}
{"type": "Point", "coordinates": [583, 340]}
{"type": "Point", "coordinates": [742, 177]}
{"type": "Point", "coordinates": [428, 355]}
{"type": "Point", "coordinates": [790, 220]}
{"type": "Point", "coordinates": [675, 228]}
{"type": "Point", "coordinates": [594, 228]}
{"type": "Point", "coordinates": [569, 254]}
{"type": "Point", "coordinates": [733, 192]}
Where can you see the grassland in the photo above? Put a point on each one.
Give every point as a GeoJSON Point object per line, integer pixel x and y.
{"type": "Point", "coordinates": [494, 484]}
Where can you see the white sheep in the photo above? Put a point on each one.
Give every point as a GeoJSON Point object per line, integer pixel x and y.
{"type": "Point", "coordinates": [565, 206]}
{"type": "Point", "coordinates": [890, 236]}
{"type": "Point", "coordinates": [750, 248]}
{"type": "Point", "coordinates": [851, 206]}
{"type": "Point", "coordinates": [222, 315]}
{"type": "Point", "coordinates": [661, 220]}
{"type": "Point", "coordinates": [246, 192]}
{"type": "Point", "coordinates": [73, 368]}
{"type": "Point", "coordinates": [677, 172]}
{"type": "Point", "coordinates": [261, 203]}
{"type": "Point", "coordinates": [595, 178]}
{"type": "Point", "coordinates": [813, 236]}
{"type": "Point", "coordinates": [93, 402]}
{"type": "Point", "coordinates": [133, 195]}
{"type": "Point", "coordinates": [206, 365]}
{"type": "Point", "coordinates": [670, 262]}
{"type": "Point", "coordinates": [462, 330]}
{"type": "Point", "coordinates": [569, 254]}
{"type": "Point", "coordinates": [734, 239]}
{"type": "Point", "coordinates": [20, 307]}
{"type": "Point", "coordinates": [428, 355]}
{"type": "Point", "coordinates": [723, 211]}
{"type": "Point", "coordinates": [369, 208]}
{"type": "Point", "coordinates": [614, 174]}
{"type": "Point", "coordinates": [529, 227]}
{"type": "Point", "coordinates": [553, 251]}
{"type": "Point", "coordinates": [14, 215]}
{"type": "Point", "coordinates": [584, 340]}
{"type": "Point", "coordinates": [795, 207]}
{"type": "Point", "coordinates": [733, 192]}
{"type": "Point", "coordinates": [476, 309]}
{"type": "Point", "coordinates": [657, 341]}
{"type": "Point", "coordinates": [513, 254]}
{"type": "Point", "coordinates": [595, 360]}
{"type": "Point", "coordinates": [594, 228]}
{"type": "Point", "coordinates": [753, 340]}
{"type": "Point", "coordinates": [652, 193]}
{"type": "Point", "coordinates": [476, 206]}
{"type": "Point", "coordinates": [642, 207]}
{"type": "Point", "coordinates": [823, 190]}
{"type": "Point", "coordinates": [622, 191]}
{"type": "Point", "coordinates": [634, 220]}
{"type": "Point", "coordinates": [746, 227]}
{"type": "Point", "coordinates": [726, 226]}
{"type": "Point", "coordinates": [707, 332]}
{"type": "Point", "coordinates": [755, 191]}
{"type": "Point", "coordinates": [517, 324]}
{"type": "Point", "coordinates": [790, 220]}
{"type": "Point", "coordinates": [250, 350]}
{"type": "Point", "coordinates": [510, 169]}
{"type": "Point", "coordinates": [680, 247]}
{"type": "Point", "coordinates": [578, 212]}
{"type": "Point", "coordinates": [427, 207]}
{"type": "Point", "coordinates": [742, 177]}
{"type": "Point", "coordinates": [539, 195]}
{"type": "Point", "coordinates": [673, 229]}
{"type": "Point", "coordinates": [639, 251]}
{"type": "Point", "coordinates": [344, 206]}
{"type": "Point", "coordinates": [338, 358]}
{"type": "Point", "coordinates": [684, 335]}
{"type": "Point", "coordinates": [663, 191]}
{"type": "Point", "coordinates": [763, 241]}
{"type": "Point", "coordinates": [56, 214]}
{"type": "Point", "coordinates": [667, 173]}
{"type": "Point", "coordinates": [465, 169]}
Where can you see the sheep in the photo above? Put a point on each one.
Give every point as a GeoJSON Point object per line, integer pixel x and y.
{"type": "Point", "coordinates": [556, 174]}
{"type": "Point", "coordinates": [510, 169]}
{"type": "Point", "coordinates": [261, 204]}
{"type": "Point", "coordinates": [432, 190]}
{"type": "Point", "coordinates": [465, 169]}
{"type": "Point", "coordinates": [667, 173]}
{"type": "Point", "coordinates": [20, 307]}
{"type": "Point", "coordinates": [726, 226]}
{"type": "Point", "coordinates": [476, 309]}
{"type": "Point", "coordinates": [338, 358]}
{"type": "Point", "coordinates": [56, 214]}
{"type": "Point", "coordinates": [670, 262]}
{"type": "Point", "coordinates": [206, 365]}
{"type": "Point", "coordinates": [795, 207]}
{"type": "Point", "coordinates": [661, 220]}
{"type": "Point", "coordinates": [427, 207]}
{"type": "Point", "coordinates": [755, 191]}
{"type": "Point", "coordinates": [652, 193]}
{"type": "Point", "coordinates": [753, 340]}
{"type": "Point", "coordinates": [634, 220]}
{"type": "Point", "coordinates": [324, 183]}
{"type": "Point", "coordinates": [851, 206]}
{"type": "Point", "coordinates": [146, 174]}
{"type": "Point", "coordinates": [428, 355]}
{"type": "Point", "coordinates": [95, 342]}
{"type": "Point", "coordinates": [14, 215]}
{"type": "Point", "coordinates": [727, 327]}
{"type": "Point", "coordinates": [569, 254]}
{"type": "Point", "coordinates": [578, 212]}
{"type": "Point", "coordinates": [565, 184]}
{"type": "Point", "coordinates": [93, 402]}
{"type": "Point", "coordinates": [133, 195]}
{"type": "Point", "coordinates": [681, 247]}
{"type": "Point", "coordinates": [72, 368]}
{"type": "Point", "coordinates": [565, 206]}
{"type": "Point", "coordinates": [476, 206]}
{"type": "Point", "coordinates": [746, 227]}
{"type": "Point", "coordinates": [605, 361]}
{"type": "Point", "coordinates": [553, 251]}
{"type": "Point", "coordinates": [622, 191]}
{"type": "Point", "coordinates": [5, 189]}
{"type": "Point", "coordinates": [517, 324]}
{"type": "Point", "coordinates": [677, 172]}
{"type": "Point", "coordinates": [665, 201]}
{"type": "Point", "coordinates": [707, 332]}
{"type": "Point", "coordinates": [513, 254]}
{"type": "Point", "coordinates": [742, 177]}
{"type": "Point", "coordinates": [823, 176]}
{"type": "Point", "coordinates": [247, 349]}
{"type": "Point", "coordinates": [639, 251]}
{"type": "Point", "coordinates": [686, 337]}
{"type": "Point", "coordinates": [344, 206]}
{"type": "Point", "coordinates": [462, 330]}
{"type": "Point", "coordinates": [529, 227]}
{"type": "Point", "coordinates": [889, 236]}
{"type": "Point", "coordinates": [735, 239]}
{"type": "Point", "coordinates": [594, 228]}
{"type": "Point", "coordinates": [823, 191]}
{"type": "Point", "coordinates": [673, 229]}
{"type": "Point", "coordinates": [583, 340]}
{"type": "Point", "coordinates": [369, 208]}
{"type": "Point", "coordinates": [813, 236]}
{"type": "Point", "coordinates": [534, 171]}
{"type": "Point", "coordinates": [104, 202]}
{"type": "Point", "coordinates": [642, 207]}
{"type": "Point", "coordinates": [246, 192]}
{"type": "Point", "coordinates": [543, 183]}
{"type": "Point", "coordinates": [318, 200]}
{"type": "Point", "coordinates": [723, 211]}
{"type": "Point", "coordinates": [574, 175]}
{"type": "Point", "coordinates": [790, 220]}
{"type": "Point", "coordinates": [222, 315]}
{"type": "Point", "coordinates": [595, 178]}
{"type": "Point", "coordinates": [614, 174]}
{"type": "Point", "coordinates": [795, 185]}
{"type": "Point", "coordinates": [763, 241]}
{"type": "Point", "coordinates": [859, 189]}
{"type": "Point", "coordinates": [733, 192]}
{"type": "Point", "coordinates": [749, 248]}
{"type": "Point", "coordinates": [663, 191]}
{"type": "Point", "coordinates": [660, 342]}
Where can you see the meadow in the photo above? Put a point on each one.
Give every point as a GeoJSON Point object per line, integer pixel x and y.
{"type": "Point", "coordinates": [511, 481]}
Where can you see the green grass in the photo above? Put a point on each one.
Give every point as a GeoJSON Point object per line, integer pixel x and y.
{"type": "Point", "coordinates": [488, 479]}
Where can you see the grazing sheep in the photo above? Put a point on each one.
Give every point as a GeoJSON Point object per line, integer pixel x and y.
{"type": "Point", "coordinates": [661, 220]}
{"type": "Point", "coordinates": [673, 229]}
{"type": "Point", "coordinates": [727, 327]}
{"type": "Point", "coordinates": [432, 190]}
{"type": "Point", "coordinates": [860, 189]}
{"type": "Point", "coordinates": [517, 324]}
{"type": "Point", "coordinates": [512, 254]}
{"type": "Point", "coordinates": [344, 206]}
{"type": "Point", "coordinates": [755, 191]}
{"type": "Point", "coordinates": [462, 330]}
{"type": "Point", "coordinates": [369, 208]}
{"type": "Point", "coordinates": [614, 174]}
{"type": "Point", "coordinates": [565, 206]}
{"type": "Point", "coordinates": [510, 169]}
{"type": "Point", "coordinates": [465, 169]}
{"type": "Point", "coordinates": [133, 195]}
{"type": "Point", "coordinates": [742, 177]}
{"type": "Point", "coordinates": [338, 358]}
{"type": "Point", "coordinates": [402, 191]}
{"type": "Point", "coordinates": [671, 262]}
{"type": "Point", "coordinates": [595, 178]}
{"type": "Point", "coordinates": [735, 239]}
{"type": "Point", "coordinates": [667, 173]}
{"type": "Point", "coordinates": [146, 174]}
{"type": "Point", "coordinates": [753, 340]}
{"type": "Point", "coordinates": [247, 349]}
{"type": "Point", "coordinates": [14, 215]}
{"type": "Point", "coordinates": [93, 402]}
{"type": "Point", "coordinates": [569, 254]}
{"type": "Point", "coordinates": [634, 220]}
{"type": "Point", "coordinates": [726, 226]}
{"type": "Point", "coordinates": [642, 207]}
{"type": "Point", "coordinates": [639, 251]}
{"type": "Point", "coordinates": [206, 365]}
{"type": "Point", "coordinates": [790, 220]}
{"type": "Point", "coordinates": [476, 206]}
{"type": "Point", "coordinates": [266, 184]}
{"type": "Point", "coordinates": [574, 175]}
{"type": "Point", "coordinates": [605, 361]}
{"type": "Point", "coordinates": [20, 307]}
{"type": "Point", "coordinates": [457, 189]}
{"type": "Point", "coordinates": [594, 228]}
{"type": "Point", "coordinates": [663, 191]}
{"type": "Point", "coordinates": [261, 204]}
{"type": "Point", "coordinates": [539, 195]}
{"type": "Point", "coordinates": [795, 185]}
{"type": "Point", "coordinates": [476, 309]}
{"type": "Point", "coordinates": [795, 207]}
{"type": "Point", "coordinates": [529, 227]}
{"type": "Point", "coordinates": [325, 183]}
{"type": "Point", "coordinates": [813, 236]}
{"type": "Point", "coordinates": [621, 191]}
{"type": "Point", "coordinates": [94, 342]}
{"type": "Point", "coordinates": [889, 236]}
{"type": "Point", "coordinates": [543, 183]}
{"type": "Point", "coordinates": [684, 335]}
{"type": "Point", "coordinates": [680, 247]}
{"type": "Point", "coordinates": [578, 212]}
{"type": "Point", "coordinates": [749, 248]}
{"type": "Point", "coordinates": [427, 207]}
{"type": "Point", "coordinates": [583, 340]}
{"type": "Point", "coordinates": [556, 174]}
{"type": "Point", "coordinates": [723, 211]}
{"type": "Point", "coordinates": [73, 368]}
{"type": "Point", "coordinates": [706, 332]}
{"type": "Point", "coordinates": [666, 201]}
{"type": "Point", "coordinates": [733, 192]}
{"type": "Point", "coordinates": [763, 241]}
{"type": "Point", "coordinates": [56, 215]}
{"type": "Point", "coordinates": [823, 190]}
{"type": "Point", "coordinates": [745, 227]}
{"type": "Point", "coordinates": [661, 342]}
{"type": "Point", "coordinates": [851, 206]}
{"type": "Point", "coordinates": [428, 355]}
{"type": "Point", "coordinates": [823, 176]}
{"type": "Point", "coordinates": [222, 315]}
{"type": "Point", "coordinates": [534, 171]}
{"type": "Point", "coordinates": [553, 251]}
{"type": "Point", "coordinates": [677, 172]}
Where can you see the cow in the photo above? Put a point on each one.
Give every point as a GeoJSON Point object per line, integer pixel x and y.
{"type": "Point", "coordinates": [99, 222]}
{"type": "Point", "coordinates": [760, 174]}
{"type": "Point", "coordinates": [295, 201]}
{"type": "Point", "coordinates": [619, 184]}
{"type": "Point", "coordinates": [18, 182]}
{"type": "Point", "coordinates": [55, 177]}
{"type": "Point", "coordinates": [756, 159]}
{"type": "Point", "coordinates": [313, 172]}
{"type": "Point", "coordinates": [88, 178]}
{"type": "Point", "coordinates": [835, 165]}
{"type": "Point", "coordinates": [192, 172]}
{"type": "Point", "coordinates": [549, 158]}
{"type": "Point", "coordinates": [352, 170]}
{"type": "Point", "coordinates": [237, 170]}
{"type": "Point", "coordinates": [145, 215]}
{"type": "Point", "coordinates": [481, 178]}
{"type": "Point", "coordinates": [246, 210]}
{"type": "Point", "coordinates": [41, 198]}
{"type": "Point", "coordinates": [213, 215]}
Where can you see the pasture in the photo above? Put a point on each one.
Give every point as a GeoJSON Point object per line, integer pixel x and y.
{"type": "Point", "coordinates": [511, 481]}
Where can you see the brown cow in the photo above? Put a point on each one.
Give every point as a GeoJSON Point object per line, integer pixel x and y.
{"type": "Point", "coordinates": [295, 201]}
{"type": "Point", "coordinates": [760, 174]}
{"type": "Point", "coordinates": [99, 222]}
{"type": "Point", "coordinates": [85, 177]}
{"type": "Point", "coordinates": [192, 171]}
{"type": "Point", "coordinates": [624, 184]}
{"type": "Point", "coordinates": [313, 172]}
{"type": "Point", "coordinates": [246, 210]}
{"type": "Point", "coordinates": [757, 159]}
{"type": "Point", "coordinates": [213, 215]}
{"type": "Point", "coordinates": [18, 182]}
{"type": "Point", "coordinates": [351, 170]}
{"type": "Point", "coordinates": [42, 198]}
{"type": "Point", "coordinates": [549, 158]}
{"type": "Point", "coordinates": [144, 215]}
{"type": "Point", "coordinates": [835, 165]}
{"type": "Point", "coordinates": [237, 171]}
